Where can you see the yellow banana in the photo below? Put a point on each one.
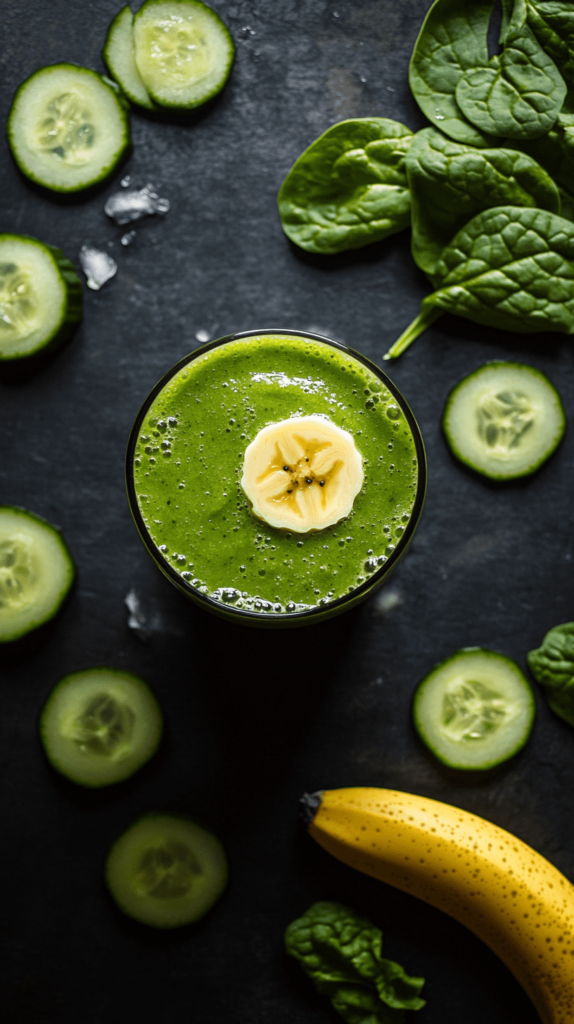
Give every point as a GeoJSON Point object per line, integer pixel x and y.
{"type": "Point", "coordinates": [486, 878]}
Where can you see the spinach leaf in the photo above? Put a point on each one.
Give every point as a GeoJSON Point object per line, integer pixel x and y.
{"type": "Point", "coordinates": [520, 93]}
{"type": "Point", "coordinates": [555, 153]}
{"type": "Point", "coordinates": [450, 183]}
{"type": "Point", "coordinates": [553, 26]}
{"type": "Point", "coordinates": [349, 187]}
{"type": "Point", "coordinates": [341, 952]}
{"type": "Point", "coordinates": [552, 665]}
{"type": "Point", "coordinates": [509, 267]}
{"type": "Point", "coordinates": [453, 38]}
{"type": "Point", "coordinates": [567, 204]}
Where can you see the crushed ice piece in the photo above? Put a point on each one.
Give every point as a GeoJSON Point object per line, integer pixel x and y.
{"type": "Point", "coordinates": [363, 79]}
{"type": "Point", "coordinates": [388, 600]}
{"type": "Point", "coordinates": [136, 617]}
{"type": "Point", "coordinates": [202, 336]}
{"type": "Point", "coordinates": [390, 88]}
{"type": "Point", "coordinates": [128, 238]}
{"type": "Point", "coordinates": [98, 266]}
{"type": "Point", "coordinates": [126, 181]}
{"type": "Point", "coordinates": [145, 618]}
{"type": "Point", "coordinates": [124, 207]}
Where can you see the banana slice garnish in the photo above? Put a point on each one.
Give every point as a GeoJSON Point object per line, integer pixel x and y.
{"type": "Point", "coordinates": [302, 474]}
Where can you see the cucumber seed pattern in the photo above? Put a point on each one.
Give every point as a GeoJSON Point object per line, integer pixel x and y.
{"type": "Point", "coordinates": [105, 727]}
{"type": "Point", "coordinates": [503, 419]}
{"type": "Point", "coordinates": [66, 130]}
{"type": "Point", "coordinates": [16, 572]}
{"type": "Point", "coordinates": [471, 710]}
{"type": "Point", "coordinates": [177, 48]}
{"type": "Point", "coordinates": [167, 871]}
{"type": "Point", "coordinates": [18, 304]}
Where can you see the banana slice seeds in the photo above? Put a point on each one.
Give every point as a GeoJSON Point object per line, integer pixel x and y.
{"type": "Point", "coordinates": [302, 474]}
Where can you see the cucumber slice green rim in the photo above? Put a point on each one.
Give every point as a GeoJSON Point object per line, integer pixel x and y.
{"type": "Point", "coordinates": [68, 128]}
{"type": "Point", "coordinates": [40, 297]}
{"type": "Point", "coordinates": [99, 725]}
{"type": "Point", "coordinates": [166, 871]}
{"type": "Point", "coordinates": [504, 420]}
{"type": "Point", "coordinates": [183, 51]}
{"type": "Point", "coordinates": [36, 572]}
{"type": "Point", "coordinates": [474, 710]}
{"type": "Point", "coordinates": [119, 56]}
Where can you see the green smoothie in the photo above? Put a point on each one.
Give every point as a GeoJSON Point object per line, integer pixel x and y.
{"type": "Point", "coordinates": [188, 455]}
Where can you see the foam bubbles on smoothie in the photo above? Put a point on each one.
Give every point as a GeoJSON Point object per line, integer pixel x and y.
{"type": "Point", "coordinates": [227, 594]}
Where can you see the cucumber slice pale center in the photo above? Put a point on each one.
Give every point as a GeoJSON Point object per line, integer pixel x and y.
{"type": "Point", "coordinates": [105, 727]}
{"type": "Point", "coordinates": [472, 711]}
{"type": "Point", "coordinates": [177, 49]}
{"type": "Point", "coordinates": [503, 419]}
{"type": "Point", "coordinates": [167, 871]}
{"type": "Point", "coordinates": [18, 303]}
{"type": "Point", "coordinates": [65, 129]}
{"type": "Point", "coordinates": [18, 572]}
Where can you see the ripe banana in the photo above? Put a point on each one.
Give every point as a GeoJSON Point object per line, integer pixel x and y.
{"type": "Point", "coordinates": [302, 474]}
{"type": "Point", "coordinates": [486, 878]}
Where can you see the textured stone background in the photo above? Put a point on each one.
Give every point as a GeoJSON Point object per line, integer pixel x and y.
{"type": "Point", "coordinates": [253, 719]}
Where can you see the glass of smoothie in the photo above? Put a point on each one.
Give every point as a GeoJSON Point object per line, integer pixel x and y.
{"type": "Point", "coordinates": [276, 477]}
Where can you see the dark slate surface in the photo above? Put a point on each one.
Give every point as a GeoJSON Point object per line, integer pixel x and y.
{"type": "Point", "coordinates": [253, 719]}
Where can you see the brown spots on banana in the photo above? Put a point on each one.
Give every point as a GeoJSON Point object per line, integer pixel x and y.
{"type": "Point", "coordinates": [504, 891]}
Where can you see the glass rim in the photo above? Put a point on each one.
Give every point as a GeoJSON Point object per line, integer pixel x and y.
{"type": "Point", "coordinates": [331, 607]}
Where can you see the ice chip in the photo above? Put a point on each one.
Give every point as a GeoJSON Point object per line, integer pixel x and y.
{"type": "Point", "coordinates": [128, 238]}
{"type": "Point", "coordinates": [136, 618]}
{"type": "Point", "coordinates": [98, 266]}
{"type": "Point", "coordinates": [146, 620]}
{"type": "Point", "coordinates": [124, 207]}
{"type": "Point", "coordinates": [202, 336]}
{"type": "Point", "coordinates": [387, 601]}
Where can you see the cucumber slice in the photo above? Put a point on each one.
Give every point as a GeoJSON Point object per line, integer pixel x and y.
{"type": "Point", "coordinates": [36, 572]}
{"type": "Point", "coordinates": [100, 725]}
{"type": "Point", "coordinates": [504, 420]}
{"type": "Point", "coordinates": [184, 52]}
{"type": "Point", "coordinates": [474, 710]}
{"type": "Point", "coordinates": [40, 297]}
{"type": "Point", "coordinates": [120, 59]}
{"type": "Point", "coordinates": [68, 127]}
{"type": "Point", "coordinates": [166, 871]}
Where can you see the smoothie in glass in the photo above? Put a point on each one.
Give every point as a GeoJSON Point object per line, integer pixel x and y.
{"type": "Point", "coordinates": [185, 467]}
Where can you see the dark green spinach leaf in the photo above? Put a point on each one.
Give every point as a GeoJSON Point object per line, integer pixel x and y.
{"type": "Point", "coordinates": [552, 665]}
{"type": "Point", "coordinates": [555, 153]}
{"type": "Point", "coordinates": [553, 26]}
{"type": "Point", "coordinates": [341, 952]}
{"type": "Point", "coordinates": [349, 187]}
{"type": "Point", "coordinates": [509, 267]}
{"type": "Point", "coordinates": [450, 183]}
{"type": "Point", "coordinates": [520, 93]}
{"type": "Point", "coordinates": [453, 38]}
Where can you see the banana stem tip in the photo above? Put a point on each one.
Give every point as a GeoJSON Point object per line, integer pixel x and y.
{"type": "Point", "coordinates": [309, 804]}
